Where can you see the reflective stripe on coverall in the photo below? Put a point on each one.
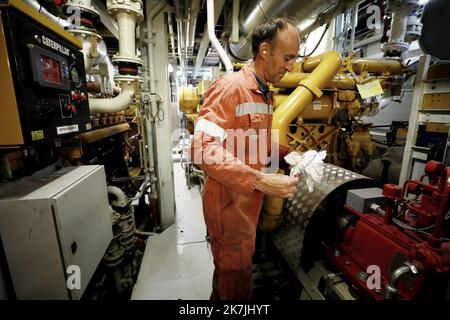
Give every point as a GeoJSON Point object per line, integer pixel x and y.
{"type": "Point", "coordinates": [231, 204]}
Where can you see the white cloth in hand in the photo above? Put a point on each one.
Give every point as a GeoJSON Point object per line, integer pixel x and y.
{"type": "Point", "coordinates": [309, 163]}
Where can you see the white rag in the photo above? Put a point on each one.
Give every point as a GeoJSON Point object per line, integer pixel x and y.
{"type": "Point", "coordinates": [310, 163]}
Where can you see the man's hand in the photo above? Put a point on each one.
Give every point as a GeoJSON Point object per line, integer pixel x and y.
{"type": "Point", "coordinates": [277, 185]}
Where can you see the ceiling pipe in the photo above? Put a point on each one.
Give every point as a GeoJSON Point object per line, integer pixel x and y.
{"type": "Point", "coordinates": [180, 34]}
{"type": "Point", "coordinates": [194, 8]}
{"type": "Point", "coordinates": [312, 14]}
{"type": "Point", "coordinates": [171, 33]}
{"type": "Point", "coordinates": [323, 17]}
{"type": "Point", "coordinates": [212, 36]}
{"type": "Point", "coordinates": [204, 44]}
{"type": "Point", "coordinates": [187, 22]}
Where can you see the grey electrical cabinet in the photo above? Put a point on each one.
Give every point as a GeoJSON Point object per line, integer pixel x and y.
{"type": "Point", "coordinates": [54, 230]}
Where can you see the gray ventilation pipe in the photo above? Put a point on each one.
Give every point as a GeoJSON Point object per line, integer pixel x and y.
{"type": "Point", "coordinates": [312, 13]}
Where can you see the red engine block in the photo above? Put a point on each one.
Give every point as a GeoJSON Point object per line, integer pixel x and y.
{"type": "Point", "coordinates": [406, 241]}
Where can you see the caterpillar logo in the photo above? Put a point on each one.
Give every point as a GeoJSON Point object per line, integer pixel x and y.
{"type": "Point", "coordinates": [54, 45]}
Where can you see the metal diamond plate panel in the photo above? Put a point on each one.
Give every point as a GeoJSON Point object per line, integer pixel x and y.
{"type": "Point", "coordinates": [299, 210]}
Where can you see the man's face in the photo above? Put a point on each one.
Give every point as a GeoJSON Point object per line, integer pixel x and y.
{"type": "Point", "coordinates": [281, 55]}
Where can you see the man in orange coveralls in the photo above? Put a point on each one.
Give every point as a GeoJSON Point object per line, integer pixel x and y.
{"type": "Point", "coordinates": [237, 116]}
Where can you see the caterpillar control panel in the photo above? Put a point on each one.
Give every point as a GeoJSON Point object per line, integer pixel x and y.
{"type": "Point", "coordinates": [43, 84]}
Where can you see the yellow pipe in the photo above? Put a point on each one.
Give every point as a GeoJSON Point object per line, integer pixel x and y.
{"type": "Point", "coordinates": [328, 67]}
{"type": "Point", "coordinates": [319, 109]}
{"type": "Point", "coordinates": [309, 64]}
{"type": "Point", "coordinates": [292, 79]}
{"type": "Point", "coordinates": [376, 66]}
{"type": "Point", "coordinates": [344, 82]}
{"type": "Point", "coordinates": [278, 99]}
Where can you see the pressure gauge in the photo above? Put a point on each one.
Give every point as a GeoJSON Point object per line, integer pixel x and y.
{"type": "Point", "coordinates": [75, 75]}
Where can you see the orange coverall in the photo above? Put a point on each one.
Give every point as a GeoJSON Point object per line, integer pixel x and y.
{"type": "Point", "coordinates": [231, 204]}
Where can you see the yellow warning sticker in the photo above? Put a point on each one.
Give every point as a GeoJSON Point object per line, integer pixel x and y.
{"type": "Point", "coordinates": [88, 126]}
{"type": "Point", "coordinates": [370, 89]}
{"type": "Point", "coordinates": [37, 135]}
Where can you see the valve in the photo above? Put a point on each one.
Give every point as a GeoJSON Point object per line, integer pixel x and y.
{"type": "Point", "coordinates": [392, 191]}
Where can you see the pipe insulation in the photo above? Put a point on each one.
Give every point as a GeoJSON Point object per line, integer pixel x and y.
{"type": "Point", "coordinates": [87, 57]}
{"type": "Point", "coordinates": [121, 198]}
{"type": "Point", "coordinates": [127, 30]}
{"type": "Point", "coordinates": [106, 69]}
{"type": "Point", "coordinates": [116, 104]}
{"type": "Point", "coordinates": [81, 3]}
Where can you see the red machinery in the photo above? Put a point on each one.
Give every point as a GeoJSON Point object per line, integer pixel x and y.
{"type": "Point", "coordinates": [407, 241]}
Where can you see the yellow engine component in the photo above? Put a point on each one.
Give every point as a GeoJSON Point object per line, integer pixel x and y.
{"type": "Point", "coordinates": [318, 109]}
{"type": "Point", "coordinates": [347, 95]}
{"type": "Point", "coordinates": [190, 119]}
{"type": "Point", "coordinates": [360, 148]}
{"type": "Point", "coordinates": [202, 88]}
{"type": "Point", "coordinates": [340, 81]}
{"type": "Point", "coordinates": [310, 87]}
{"type": "Point", "coordinates": [377, 67]}
{"type": "Point", "coordinates": [188, 99]}
{"type": "Point", "coordinates": [312, 136]}
{"type": "Point", "coordinates": [320, 97]}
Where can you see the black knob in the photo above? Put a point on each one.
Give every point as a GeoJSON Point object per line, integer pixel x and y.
{"type": "Point", "coordinates": [73, 247]}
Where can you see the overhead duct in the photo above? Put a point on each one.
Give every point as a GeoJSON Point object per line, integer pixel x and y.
{"type": "Point", "coordinates": [308, 15]}
{"type": "Point", "coordinates": [171, 33]}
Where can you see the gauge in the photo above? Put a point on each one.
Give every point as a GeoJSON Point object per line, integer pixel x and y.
{"type": "Point", "coordinates": [75, 75]}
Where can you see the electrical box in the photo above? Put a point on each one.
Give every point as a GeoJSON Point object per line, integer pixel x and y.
{"type": "Point", "coordinates": [43, 81]}
{"type": "Point", "coordinates": [53, 229]}
{"type": "Point", "coordinates": [361, 199]}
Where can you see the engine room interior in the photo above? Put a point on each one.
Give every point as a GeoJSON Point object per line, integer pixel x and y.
{"type": "Point", "coordinates": [104, 103]}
